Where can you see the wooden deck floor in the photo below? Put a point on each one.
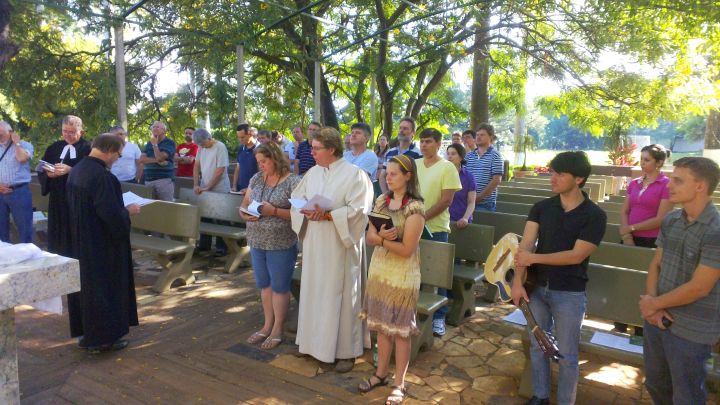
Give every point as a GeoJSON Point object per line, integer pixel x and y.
{"type": "Point", "coordinates": [190, 349]}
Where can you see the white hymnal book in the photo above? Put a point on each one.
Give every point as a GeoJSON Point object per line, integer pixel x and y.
{"type": "Point", "coordinates": [323, 202]}
{"type": "Point", "coordinates": [252, 209]}
{"type": "Point", "coordinates": [131, 198]}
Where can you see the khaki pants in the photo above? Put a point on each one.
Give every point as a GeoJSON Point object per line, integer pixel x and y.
{"type": "Point", "coordinates": [163, 189]}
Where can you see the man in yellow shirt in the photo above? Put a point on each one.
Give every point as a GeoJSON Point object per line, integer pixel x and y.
{"type": "Point", "coordinates": [439, 180]}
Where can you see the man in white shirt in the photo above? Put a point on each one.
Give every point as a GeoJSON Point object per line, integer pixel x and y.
{"type": "Point", "coordinates": [359, 154]}
{"type": "Point", "coordinates": [128, 167]}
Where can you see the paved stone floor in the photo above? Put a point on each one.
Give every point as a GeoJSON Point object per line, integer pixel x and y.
{"type": "Point", "coordinates": [190, 348]}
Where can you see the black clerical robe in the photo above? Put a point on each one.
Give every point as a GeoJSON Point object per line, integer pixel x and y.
{"type": "Point", "coordinates": [105, 307]}
{"type": "Point", "coordinates": [58, 222]}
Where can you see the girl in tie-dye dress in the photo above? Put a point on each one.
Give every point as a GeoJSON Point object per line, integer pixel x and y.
{"type": "Point", "coordinates": [394, 276]}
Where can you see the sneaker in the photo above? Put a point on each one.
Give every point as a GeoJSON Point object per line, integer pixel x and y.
{"type": "Point", "coordinates": [438, 327]}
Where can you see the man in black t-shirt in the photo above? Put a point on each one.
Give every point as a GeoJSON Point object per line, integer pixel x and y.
{"type": "Point", "coordinates": [567, 228]}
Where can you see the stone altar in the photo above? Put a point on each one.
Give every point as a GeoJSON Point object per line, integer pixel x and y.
{"type": "Point", "coordinates": [26, 283]}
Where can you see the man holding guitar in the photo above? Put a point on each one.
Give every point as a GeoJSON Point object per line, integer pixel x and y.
{"type": "Point", "coordinates": [681, 305]}
{"type": "Point", "coordinates": [567, 228]}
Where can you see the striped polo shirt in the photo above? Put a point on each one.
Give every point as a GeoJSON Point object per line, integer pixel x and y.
{"type": "Point", "coordinates": [304, 156]}
{"type": "Point", "coordinates": [685, 246]}
{"type": "Point", "coordinates": [483, 168]}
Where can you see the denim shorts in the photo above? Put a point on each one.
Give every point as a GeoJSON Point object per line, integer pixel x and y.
{"type": "Point", "coordinates": [274, 268]}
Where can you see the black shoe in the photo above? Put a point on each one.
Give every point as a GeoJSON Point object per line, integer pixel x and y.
{"type": "Point", "coordinates": [81, 342]}
{"type": "Point", "coordinates": [118, 345]}
{"type": "Point", "coordinates": [538, 401]}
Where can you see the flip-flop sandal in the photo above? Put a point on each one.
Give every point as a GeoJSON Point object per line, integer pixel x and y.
{"type": "Point", "coordinates": [397, 395]}
{"type": "Point", "coordinates": [367, 385]}
{"type": "Point", "coordinates": [271, 343]}
{"type": "Point", "coordinates": [256, 338]}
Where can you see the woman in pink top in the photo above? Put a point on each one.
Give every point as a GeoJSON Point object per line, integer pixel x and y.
{"type": "Point", "coordinates": [647, 200]}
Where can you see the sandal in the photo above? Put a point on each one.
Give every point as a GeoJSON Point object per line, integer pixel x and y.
{"type": "Point", "coordinates": [271, 343]}
{"type": "Point", "coordinates": [397, 395]}
{"type": "Point", "coordinates": [256, 338]}
{"type": "Point", "coordinates": [367, 385]}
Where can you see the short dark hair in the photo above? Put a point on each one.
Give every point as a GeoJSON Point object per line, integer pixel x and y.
{"type": "Point", "coordinates": [315, 123]}
{"type": "Point", "coordinates": [108, 143]}
{"type": "Point", "coordinates": [362, 126]}
{"type": "Point", "coordinates": [431, 133]}
{"type": "Point", "coordinates": [703, 169]}
{"type": "Point", "coordinates": [573, 162]}
{"type": "Point", "coordinates": [265, 133]}
{"type": "Point", "coordinates": [468, 132]}
{"type": "Point", "coordinates": [657, 152]}
{"type": "Point", "coordinates": [488, 128]}
{"type": "Point", "coordinates": [410, 120]}
{"type": "Point", "coordinates": [190, 128]}
{"type": "Point", "coordinates": [243, 127]}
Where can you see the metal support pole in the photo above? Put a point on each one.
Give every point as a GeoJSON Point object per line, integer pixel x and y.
{"type": "Point", "coordinates": [240, 50]}
{"type": "Point", "coordinates": [317, 116]}
{"type": "Point", "coordinates": [120, 77]}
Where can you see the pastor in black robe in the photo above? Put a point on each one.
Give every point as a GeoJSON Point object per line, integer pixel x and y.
{"type": "Point", "coordinates": [58, 222]}
{"type": "Point", "coordinates": [105, 307]}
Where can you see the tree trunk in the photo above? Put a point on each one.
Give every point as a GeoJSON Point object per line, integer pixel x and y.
{"type": "Point", "coordinates": [712, 136]}
{"type": "Point", "coordinates": [480, 98]}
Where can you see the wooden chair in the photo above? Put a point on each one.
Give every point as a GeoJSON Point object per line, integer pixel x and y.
{"type": "Point", "coordinates": [179, 222]}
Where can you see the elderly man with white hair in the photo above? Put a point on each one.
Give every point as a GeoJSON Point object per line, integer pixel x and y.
{"type": "Point", "coordinates": [159, 166]}
{"type": "Point", "coordinates": [15, 197]}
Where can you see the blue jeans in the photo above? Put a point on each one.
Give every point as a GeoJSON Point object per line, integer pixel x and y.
{"type": "Point", "coordinates": [440, 313]}
{"type": "Point", "coordinates": [19, 204]}
{"type": "Point", "coordinates": [486, 206]}
{"type": "Point", "coordinates": [674, 367]}
{"type": "Point", "coordinates": [274, 268]}
{"type": "Point", "coordinates": [566, 310]}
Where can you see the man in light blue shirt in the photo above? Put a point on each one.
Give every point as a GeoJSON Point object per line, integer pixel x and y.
{"type": "Point", "coordinates": [127, 168]}
{"type": "Point", "coordinates": [359, 154]}
{"type": "Point", "coordinates": [15, 196]}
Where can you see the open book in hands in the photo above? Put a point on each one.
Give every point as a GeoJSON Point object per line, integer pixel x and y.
{"type": "Point", "coordinates": [252, 209]}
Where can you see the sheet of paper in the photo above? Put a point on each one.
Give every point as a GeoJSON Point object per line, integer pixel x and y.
{"type": "Point", "coordinates": [38, 216]}
{"type": "Point", "coordinates": [516, 317]}
{"type": "Point", "coordinates": [323, 202]}
{"type": "Point", "coordinates": [131, 198]}
{"type": "Point", "coordinates": [615, 342]}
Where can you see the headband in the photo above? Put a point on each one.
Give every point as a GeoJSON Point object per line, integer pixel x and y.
{"type": "Point", "coordinates": [397, 159]}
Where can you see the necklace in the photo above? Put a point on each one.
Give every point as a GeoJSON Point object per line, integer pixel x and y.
{"type": "Point", "coordinates": [272, 190]}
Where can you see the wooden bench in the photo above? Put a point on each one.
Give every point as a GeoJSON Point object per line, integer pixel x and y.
{"type": "Point", "coordinates": [513, 208]}
{"type": "Point", "coordinates": [472, 245]}
{"type": "Point", "coordinates": [519, 198]}
{"type": "Point", "coordinates": [180, 223]}
{"type": "Point", "coordinates": [224, 207]}
{"type": "Point", "coordinates": [138, 189]}
{"type": "Point", "coordinates": [181, 183]}
{"type": "Point", "coordinates": [594, 188]}
{"type": "Point", "coordinates": [436, 270]}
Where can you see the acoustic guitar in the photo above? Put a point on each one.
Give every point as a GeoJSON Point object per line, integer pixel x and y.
{"type": "Point", "coordinates": [500, 271]}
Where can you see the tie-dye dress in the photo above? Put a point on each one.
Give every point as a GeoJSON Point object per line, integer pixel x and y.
{"type": "Point", "coordinates": [393, 283]}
